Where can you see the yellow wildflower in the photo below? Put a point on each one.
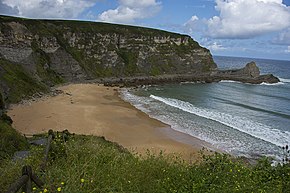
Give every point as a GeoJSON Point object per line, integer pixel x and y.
{"type": "Point", "coordinates": [34, 188]}
{"type": "Point", "coordinates": [62, 183]}
{"type": "Point", "coordinates": [59, 189]}
{"type": "Point", "coordinates": [82, 180]}
{"type": "Point", "coordinates": [45, 190]}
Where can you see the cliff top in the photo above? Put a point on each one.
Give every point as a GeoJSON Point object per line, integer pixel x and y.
{"type": "Point", "coordinates": [100, 27]}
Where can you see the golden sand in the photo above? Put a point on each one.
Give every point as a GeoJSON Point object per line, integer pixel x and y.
{"type": "Point", "coordinates": [91, 109]}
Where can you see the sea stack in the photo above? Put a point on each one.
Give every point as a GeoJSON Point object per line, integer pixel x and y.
{"type": "Point", "coordinates": [249, 74]}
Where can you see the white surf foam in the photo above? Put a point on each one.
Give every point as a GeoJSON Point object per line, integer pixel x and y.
{"type": "Point", "coordinates": [229, 81]}
{"type": "Point", "coordinates": [244, 125]}
{"type": "Point", "coordinates": [272, 84]}
{"type": "Point", "coordinates": [284, 80]}
{"type": "Point", "coordinates": [136, 101]}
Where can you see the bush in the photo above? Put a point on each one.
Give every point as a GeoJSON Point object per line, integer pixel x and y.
{"type": "Point", "coordinates": [11, 140]}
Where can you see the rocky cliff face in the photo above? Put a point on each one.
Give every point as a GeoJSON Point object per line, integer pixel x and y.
{"type": "Point", "coordinates": [80, 50]}
{"type": "Point", "coordinates": [52, 52]}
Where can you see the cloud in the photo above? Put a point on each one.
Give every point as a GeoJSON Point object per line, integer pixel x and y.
{"type": "Point", "coordinates": [129, 11]}
{"type": "Point", "coordinates": [288, 49]}
{"type": "Point", "coordinates": [283, 38]}
{"type": "Point", "coordinates": [192, 24]}
{"type": "Point", "coordinates": [240, 19]}
{"type": "Point", "coordinates": [216, 47]}
{"type": "Point", "coordinates": [48, 8]}
{"type": "Point", "coordinates": [7, 10]}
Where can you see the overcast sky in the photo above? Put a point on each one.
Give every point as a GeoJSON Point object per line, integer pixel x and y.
{"type": "Point", "coordinates": [246, 28]}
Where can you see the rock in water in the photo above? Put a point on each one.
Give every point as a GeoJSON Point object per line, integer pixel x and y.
{"type": "Point", "coordinates": [252, 70]}
{"type": "Point", "coordinates": [249, 74]}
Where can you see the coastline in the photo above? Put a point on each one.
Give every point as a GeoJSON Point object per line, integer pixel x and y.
{"type": "Point", "coordinates": [91, 109]}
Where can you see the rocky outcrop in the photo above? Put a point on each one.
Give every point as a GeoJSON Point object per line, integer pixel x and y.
{"type": "Point", "coordinates": [249, 74]}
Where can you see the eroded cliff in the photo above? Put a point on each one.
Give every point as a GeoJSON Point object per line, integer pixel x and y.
{"type": "Point", "coordinates": [51, 52]}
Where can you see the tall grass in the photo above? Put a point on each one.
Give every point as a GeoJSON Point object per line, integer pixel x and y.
{"type": "Point", "coordinates": [92, 164]}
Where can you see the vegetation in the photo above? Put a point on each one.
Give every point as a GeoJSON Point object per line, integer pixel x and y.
{"type": "Point", "coordinates": [130, 60]}
{"type": "Point", "coordinates": [92, 164]}
{"type": "Point", "coordinates": [20, 83]}
{"type": "Point", "coordinates": [11, 140]}
{"type": "Point", "coordinates": [47, 75]}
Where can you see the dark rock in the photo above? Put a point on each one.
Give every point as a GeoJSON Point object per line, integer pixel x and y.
{"type": "Point", "coordinates": [41, 142]}
{"type": "Point", "coordinates": [20, 155]}
{"type": "Point", "coordinates": [4, 117]}
{"type": "Point", "coordinates": [251, 70]}
{"type": "Point", "coordinates": [267, 78]}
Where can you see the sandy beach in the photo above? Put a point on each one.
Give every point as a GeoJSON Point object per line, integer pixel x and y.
{"type": "Point", "coordinates": [93, 109]}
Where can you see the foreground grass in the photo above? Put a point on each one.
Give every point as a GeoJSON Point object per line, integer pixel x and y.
{"type": "Point", "coordinates": [10, 139]}
{"type": "Point", "coordinates": [92, 164]}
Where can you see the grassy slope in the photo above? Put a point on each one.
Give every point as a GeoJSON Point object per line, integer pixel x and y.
{"type": "Point", "coordinates": [20, 83]}
{"type": "Point", "coordinates": [91, 164]}
{"type": "Point", "coordinates": [10, 140]}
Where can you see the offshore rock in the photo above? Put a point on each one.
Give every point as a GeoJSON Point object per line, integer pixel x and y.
{"type": "Point", "coordinates": [249, 74]}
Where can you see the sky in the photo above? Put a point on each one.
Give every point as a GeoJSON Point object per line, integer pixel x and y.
{"type": "Point", "coordinates": [241, 28]}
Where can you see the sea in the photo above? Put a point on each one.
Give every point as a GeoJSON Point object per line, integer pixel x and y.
{"type": "Point", "coordinates": [238, 118]}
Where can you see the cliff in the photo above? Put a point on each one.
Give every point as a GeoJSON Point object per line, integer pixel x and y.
{"type": "Point", "coordinates": [48, 52]}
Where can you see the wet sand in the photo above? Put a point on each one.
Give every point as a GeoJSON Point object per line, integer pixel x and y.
{"type": "Point", "coordinates": [91, 109]}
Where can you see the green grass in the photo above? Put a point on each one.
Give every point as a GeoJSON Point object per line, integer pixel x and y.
{"type": "Point", "coordinates": [11, 140]}
{"type": "Point", "coordinates": [92, 164]}
{"type": "Point", "coordinates": [21, 84]}
{"type": "Point", "coordinates": [130, 59]}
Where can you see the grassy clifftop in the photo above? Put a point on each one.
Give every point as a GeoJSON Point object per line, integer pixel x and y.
{"type": "Point", "coordinates": [92, 164]}
{"type": "Point", "coordinates": [87, 26]}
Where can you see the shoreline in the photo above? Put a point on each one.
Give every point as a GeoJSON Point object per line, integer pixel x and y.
{"type": "Point", "coordinates": [91, 109]}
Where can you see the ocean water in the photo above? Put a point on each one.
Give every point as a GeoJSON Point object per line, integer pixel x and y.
{"type": "Point", "coordinates": [241, 119]}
